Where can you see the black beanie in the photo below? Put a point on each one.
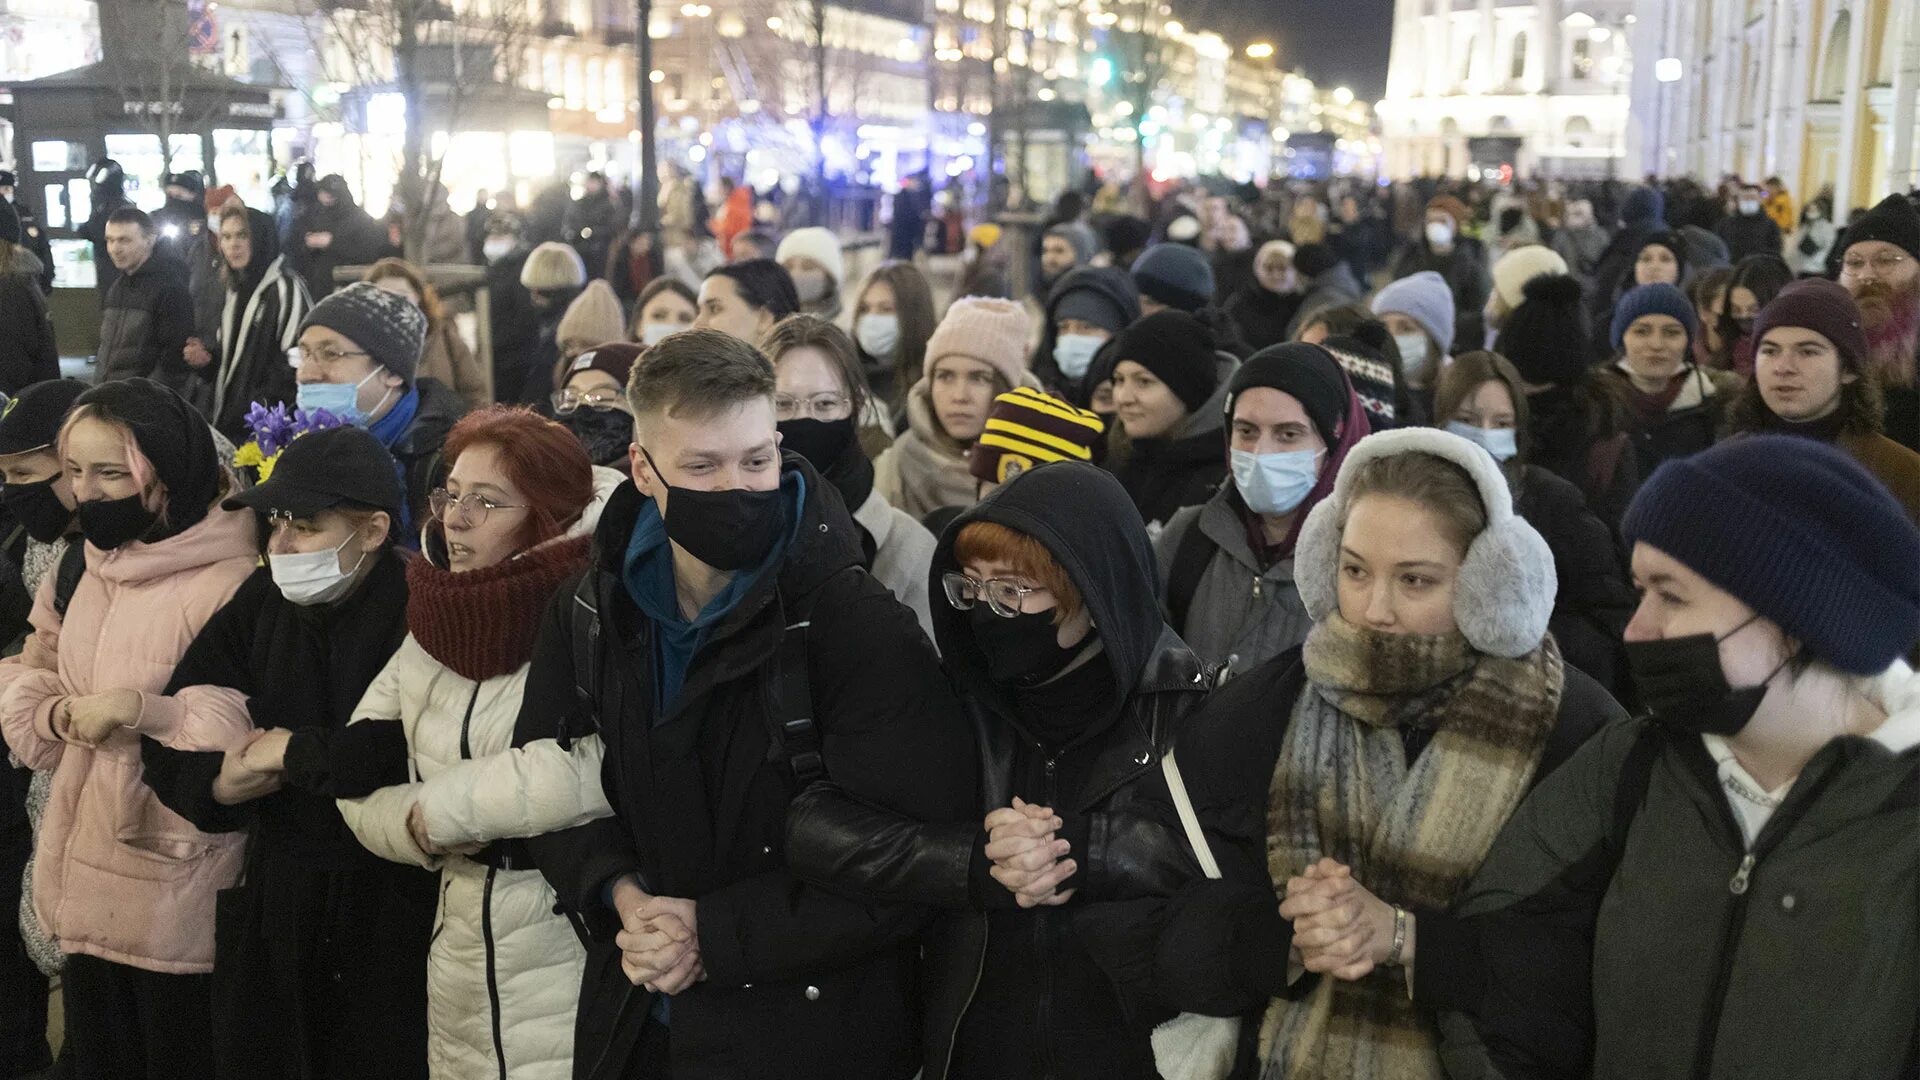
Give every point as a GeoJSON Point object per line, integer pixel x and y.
{"type": "Point", "coordinates": [1547, 336]}
{"type": "Point", "coordinates": [1178, 349]}
{"type": "Point", "coordinates": [172, 436]}
{"type": "Point", "coordinates": [1309, 373]}
{"type": "Point", "coordinates": [1668, 239]}
{"type": "Point", "coordinates": [1312, 260]}
{"type": "Point", "coordinates": [1894, 221]}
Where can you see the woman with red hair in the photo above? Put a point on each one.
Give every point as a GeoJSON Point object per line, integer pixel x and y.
{"type": "Point", "coordinates": [512, 523]}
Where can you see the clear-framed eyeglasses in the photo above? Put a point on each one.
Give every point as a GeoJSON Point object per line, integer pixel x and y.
{"type": "Point", "coordinates": [473, 506]}
{"type": "Point", "coordinates": [822, 406]}
{"type": "Point", "coordinates": [326, 355]}
{"type": "Point", "coordinates": [600, 399]}
{"type": "Point", "coordinates": [1882, 265]}
{"type": "Point", "coordinates": [1003, 597]}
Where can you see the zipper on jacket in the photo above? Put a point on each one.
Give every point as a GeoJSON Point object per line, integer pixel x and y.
{"type": "Point", "coordinates": [466, 725]}
{"type": "Point", "coordinates": [1256, 586]}
{"type": "Point", "coordinates": [493, 972]}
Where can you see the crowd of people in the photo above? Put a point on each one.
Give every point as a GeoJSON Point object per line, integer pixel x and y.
{"type": "Point", "coordinates": [1323, 632]}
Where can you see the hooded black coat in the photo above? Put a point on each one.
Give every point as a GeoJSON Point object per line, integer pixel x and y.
{"type": "Point", "coordinates": [320, 952]}
{"type": "Point", "coordinates": [802, 982]}
{"type": "Point", "coordinates": [1015, 993]}
{"type": "Point", "coordinates": [357, 239]}
{"type": "Point", "coordinates": [259, 322]}
{"type": "Point", "coordinates": [1115, 286]}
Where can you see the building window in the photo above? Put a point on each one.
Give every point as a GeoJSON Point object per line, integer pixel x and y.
{"type": "Point", "coordinates": [1582, 66]}
{"type": "Point", "coordinates": [1579, 130]}
{"type": "Point", "coordinates": [1833, 68]}
{"type": "Point", "coordinates": [1517, 70]}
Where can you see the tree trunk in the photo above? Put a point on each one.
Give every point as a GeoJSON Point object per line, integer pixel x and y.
{"type": "Point", "coordinates": [820, 95]}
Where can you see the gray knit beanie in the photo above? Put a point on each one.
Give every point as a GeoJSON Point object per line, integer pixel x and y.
{"type": "Point", "coordinates": [386, 325]}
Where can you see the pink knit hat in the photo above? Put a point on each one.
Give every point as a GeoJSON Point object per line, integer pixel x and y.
{"type": "Point", "coordinates": [982, 328]}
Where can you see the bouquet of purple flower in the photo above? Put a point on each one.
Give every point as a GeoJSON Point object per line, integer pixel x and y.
{"type": "Point", "coordinates": [274, 427]}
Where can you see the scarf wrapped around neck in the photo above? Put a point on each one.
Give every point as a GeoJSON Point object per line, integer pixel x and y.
{"type": "Point", "coordinates": [1413, 832]}
{"type": "Point", "coordinates": [481, 623]}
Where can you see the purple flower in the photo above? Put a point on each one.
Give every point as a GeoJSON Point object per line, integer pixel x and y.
{"type": "Point", "coordinates": [272, 427]}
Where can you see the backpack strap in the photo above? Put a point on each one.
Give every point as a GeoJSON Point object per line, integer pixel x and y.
{"type": "Point", "coordinates": [66, 578]}
{"type": "Point", "coordinates": [798, 740]}
{"type": "Point", "coordinates": [585, 619]}
{"type": "Point", "coordinates": [1630, 791]}
{"type": "Point", "coordinates": [1190, 558]}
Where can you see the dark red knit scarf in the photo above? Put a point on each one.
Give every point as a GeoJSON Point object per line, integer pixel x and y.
{"type": "Point", "coordinates": [481, 623]}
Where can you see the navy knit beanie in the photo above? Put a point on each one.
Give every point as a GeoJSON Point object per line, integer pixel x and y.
{"type": "Point", "coordinates": [1656, 299]}
{"type": "Point", "coordinates": [1799, 533]}
{"type": "Point", "coordinates": [1176, 275]}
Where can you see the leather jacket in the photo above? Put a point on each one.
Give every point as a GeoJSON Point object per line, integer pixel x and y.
{"type": "Point", "coordinates": [1129, 851]}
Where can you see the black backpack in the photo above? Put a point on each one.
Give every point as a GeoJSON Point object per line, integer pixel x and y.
{"type": "Point", "coordinates": [792, 736]}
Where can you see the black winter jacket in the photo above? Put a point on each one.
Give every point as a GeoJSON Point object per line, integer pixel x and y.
{"type": "Point", "coordinates": [144, 325]}
{"type": "Point", "coordinates": [1017, 993]}
{"type": "Point", "coordinates": [1595, 600]}
{"type": "Point", "coordinates": [420, 450]}
{"type": "Point", "coordinates": [1576, 434]}
{"type": "Point", "coordinates": [1220, 947]}
{"type": "Point", "coordinates": [802, 982]}
{"type": "Point", "coordinates": [1165, 475]}
{"type": "Point", "coordinates": [323, 942]}
{"type": "Point", "coordinates": [1464, 267]}
{"type": "Point", "coordinates": [27, 351]}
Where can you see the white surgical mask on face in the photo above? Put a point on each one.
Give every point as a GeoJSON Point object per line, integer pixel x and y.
{"type": "Point", "coordinates": [1500, 442]}
{"type": "Point", "coordinates": [1074, 353]}
{"type": "Point", "coordinates": [313, 577]}
{"type": "Point", "coordinates": [878, 334]}
{"type": "Point", "coordinates": [654, 333]}
{"type": "Point", "coordinates": [497, 247]}
{"type": "Point", "coordinates": [1749, 206]}
{"type": "Point", "coordinates": [1275, 483]}
{"type": "Point", "coordinates": [811, 285]}
{"type": "Point", "coordinates": [1439, 234]}
{"type": "Point", "coordinates": [1415, 358]}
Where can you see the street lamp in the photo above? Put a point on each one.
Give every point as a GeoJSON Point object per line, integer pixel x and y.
{"type": "Point", "coordinates": [1260, 50]}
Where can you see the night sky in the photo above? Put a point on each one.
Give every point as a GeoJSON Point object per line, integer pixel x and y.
{"type": "Point", "coordinates": [1335, 41]}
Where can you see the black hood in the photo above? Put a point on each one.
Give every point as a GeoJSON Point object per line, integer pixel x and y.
{"type": "Point", "coordinates": [264, 237]}
{"type": "Point", "coordinates": [1086, 520]}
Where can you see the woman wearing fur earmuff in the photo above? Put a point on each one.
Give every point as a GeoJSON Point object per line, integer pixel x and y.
{"type": "Point", "coordinates": [1350, 787]}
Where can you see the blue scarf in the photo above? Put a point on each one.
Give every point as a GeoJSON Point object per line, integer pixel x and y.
{"type": "Point", "coordinates": [388, 429]}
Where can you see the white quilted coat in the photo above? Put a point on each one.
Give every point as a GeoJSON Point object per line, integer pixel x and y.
{"type": "Point", "coordinates": [496, 937]}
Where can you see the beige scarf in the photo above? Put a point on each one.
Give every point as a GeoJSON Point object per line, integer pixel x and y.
{"type": "Point", "coordinates": [1413, 833]}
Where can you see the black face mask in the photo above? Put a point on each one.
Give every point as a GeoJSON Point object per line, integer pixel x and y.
{"type": "Point", "coordinates": [1681, 681]}
{"type": "Point", "coordinates": [109, 523]}
{"type": "Point", "coordinates": [606, 433]}
{"type": "Point", "coordinates": [729, 530]}
{"type": "Point", "coordinates": [38, 509]}
{"type": "Point", "coordinates": [821, 442]}
{"type": "Point", "coordinates": [1023, 651]}
{"type": "Point", "coordinates": [1744, 326]}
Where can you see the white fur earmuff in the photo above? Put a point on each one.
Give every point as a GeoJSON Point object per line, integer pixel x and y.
{"type": "Point", "coordinates": [1505, 592]}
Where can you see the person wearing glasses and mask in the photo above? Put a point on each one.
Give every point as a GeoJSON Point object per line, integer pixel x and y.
{"type": "Point", "coordinates": [592, 402]}
{"type": "Point", "coordinates": [320, 951]}
{"type": "Point", "coordinates": [1075, 686]}
{"type": "Point", "coordinates": [357, 358]}
{"type": "Point", "coordinates": [819, 400]}
{"type": "Point", "coordinates": [508, 528]}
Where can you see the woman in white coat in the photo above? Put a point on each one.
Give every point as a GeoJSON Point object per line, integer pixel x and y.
{"type": "Point", "coordinates": [512, 524]}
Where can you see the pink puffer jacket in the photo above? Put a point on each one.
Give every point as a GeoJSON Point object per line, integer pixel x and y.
{"type": "Point", "coordinates": [120, 876]}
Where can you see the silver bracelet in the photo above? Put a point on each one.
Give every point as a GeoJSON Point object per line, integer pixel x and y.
{"type": "Point", "coordinates": [1399, 937]}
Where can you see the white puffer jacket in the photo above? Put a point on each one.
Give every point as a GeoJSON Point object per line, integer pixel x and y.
{"type": "Point", "coordinates": [503, 971]}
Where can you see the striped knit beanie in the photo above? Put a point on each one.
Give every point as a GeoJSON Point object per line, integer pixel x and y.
{"type": "Point", "coordinates": [1027, 428]}
{"type": "Point", "coordinates": [1370, 372]}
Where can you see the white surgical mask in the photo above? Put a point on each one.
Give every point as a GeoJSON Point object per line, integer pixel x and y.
{"type": "Point", "coordinates": [1749, 207]}
{"type": "Point", "coordinates": [878, 334]}
{"type": "Point", "coordinates": [654, 333]}
{"type": "Point", "coordinates": [1439, 234]}
{"type": "Point", "coordinates": [1500, 442]}
{"type": "Point", "coordinates": [811, 285]}
{"type": "Point", "coordinates": [313, 577]}
{"type": "Point", "coordinates": [1415, 357]}
{"type": "Point", "coordinates": [1074, 353]}
{"type": "Point", "coordinates": [1275, 483]}
{"type": "Point", "coordinates": [497, 247]}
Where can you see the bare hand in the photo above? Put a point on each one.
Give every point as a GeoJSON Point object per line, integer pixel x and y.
{"type": "Point", "coordinates": [267, 751]}
{"type": "Point", "coordinates": [94, 718]}
{"type": "Point", "coordinates": [417, 828]}
{"type": "Point", "coordinates": [1028, 859]}
{"type": "Point", "coordinates": [1339, 927]}
{"type": "Point", "coordinates": [319, 241]}
{"type": "Point", "coordinates": [238, 782]}
{"type": "Point", "coordinates": [196, 353]}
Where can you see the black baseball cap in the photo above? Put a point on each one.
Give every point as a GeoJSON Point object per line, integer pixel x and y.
{"type": "Point", "coordinates": [321, 470]}
{"type": "Point", "coordinates": [31, 419]}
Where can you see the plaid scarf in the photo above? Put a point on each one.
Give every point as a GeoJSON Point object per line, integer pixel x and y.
{"type": "Point", "coordinates": [1413, 832]}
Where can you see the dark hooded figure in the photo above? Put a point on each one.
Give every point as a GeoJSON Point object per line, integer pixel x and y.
{"type": "Point", "coordinates": [1052, 633]}
{"type": "Point", "coordinates": [333, 231]}
{"type": "Point", "coordinates": [260, 321]}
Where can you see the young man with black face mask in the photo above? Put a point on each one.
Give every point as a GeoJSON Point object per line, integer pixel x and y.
{"type": "Point", "coordinates": [1744, 859]}
{"type": "Point", "coordinates": [730, 650]}
{"type": "Point", "coordinates": [1076, 686]}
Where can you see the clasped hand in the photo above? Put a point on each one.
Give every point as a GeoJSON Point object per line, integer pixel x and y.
{"type": "Point", "coordinates": [1027, 857]}
{"type": "Point", "coordinates": [90, 719]}
{"type": "Point", "coordinates": [1339, 928]}
{"type": "Point", "coordinates": [660, 940]}
{"type": "Point", "coordinates": [254, 769]}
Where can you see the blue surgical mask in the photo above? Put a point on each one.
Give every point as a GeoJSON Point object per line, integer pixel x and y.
{"type": "Point", "coordinates": [1275, 483]}
{"type": "Point", "coordinates": [1074, 353]}
{"type": "Point", "coordinates": [1499, 442]}
{"type": "Point", "coordinates": [340, 399]}
{"type": "Point", "coordinates": [1414, 357]}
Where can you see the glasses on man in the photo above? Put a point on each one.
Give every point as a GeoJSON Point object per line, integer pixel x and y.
{"type": "Point", "coordinates": [324, 355]}
{"type": "Point", "coordinates": [1003, 597]}
{"type": "Point", "coordinates": [600, 399]}
{"type": "Point", "coordinates": [473, 506]}
{"type": "Point", "coordinates": [822, 406]}
{"type": "Point", "coordinates": [1882, 264]}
